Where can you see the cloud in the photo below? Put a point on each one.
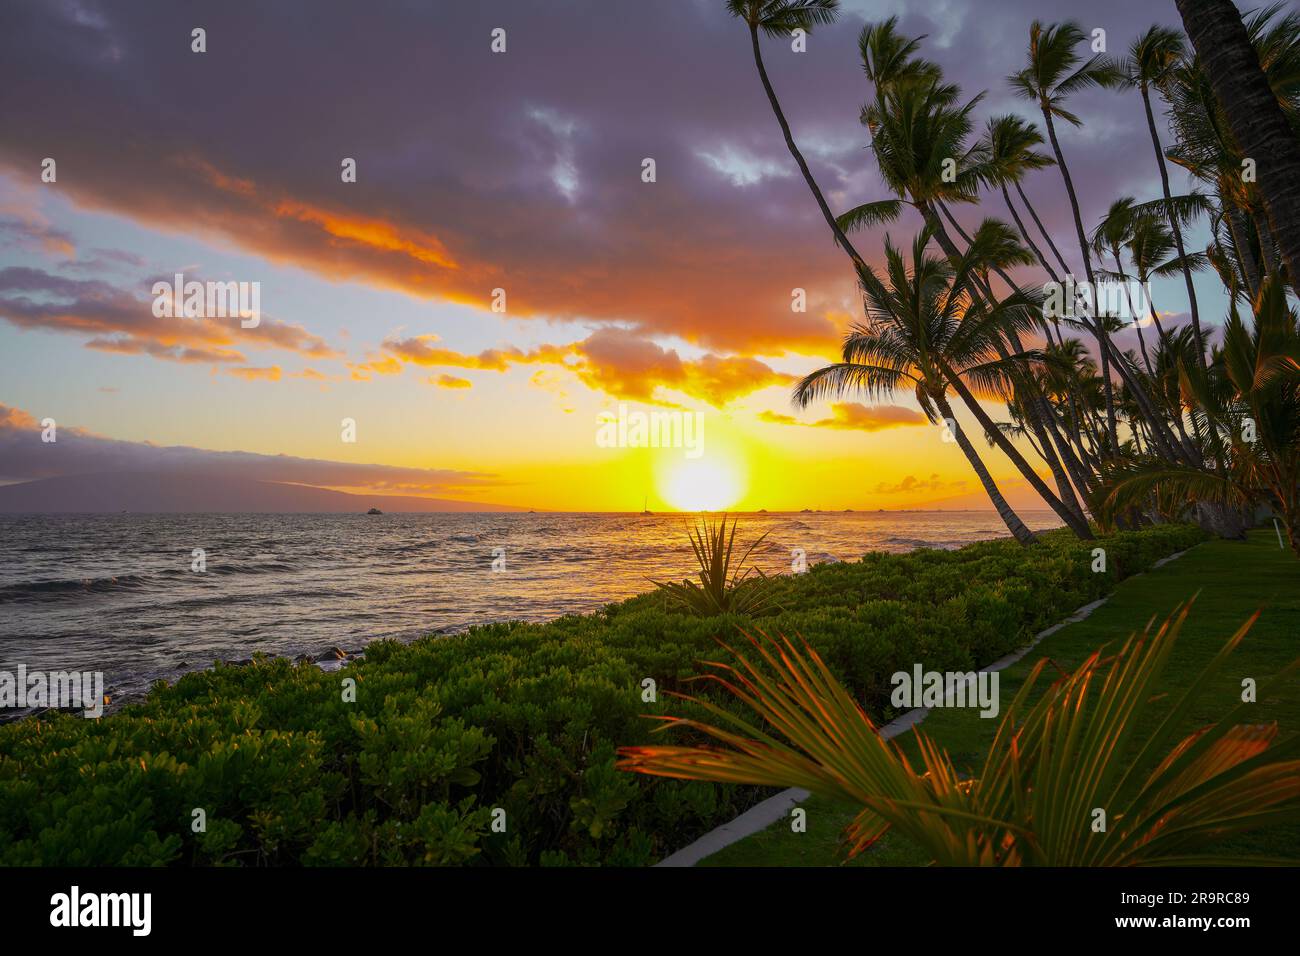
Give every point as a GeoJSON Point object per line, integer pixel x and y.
{"type": "Point", "coordinates": [249, 374]}
{"type": "Point", "coordinates": [854, 416]}
{"type": "Point", "coordinates": [381, 365]}
{"type": "Point", "coordinates": [113, 319]}
{"type": "Point", "coordinates": [617, 362]}
{"type": "Point", "coordinates": [30, 233]}
{"type": "Point", "coordinates": [24, 457]}
{"type": "Point", "coordinates": [420, 350]}
{"type": "Point", "coordinates": [538, 190]}
{"type": "Point", "coordinates": [450, 381]}
{"type": "Point", "coordinates": [624, 365]}
{"type": "Point", "coordinates": [911, 483]}
{"type": "Point", "coordinates": [516, 172]}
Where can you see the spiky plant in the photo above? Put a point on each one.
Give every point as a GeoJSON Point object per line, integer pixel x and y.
{"type": "Point", "coordinates": [1053, 763]}
{"type": "Point", "coordinates": [725, 585]}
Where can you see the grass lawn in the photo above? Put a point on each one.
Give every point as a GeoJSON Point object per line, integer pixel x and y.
{"type": "Point", "coordinates": [1233, 580]}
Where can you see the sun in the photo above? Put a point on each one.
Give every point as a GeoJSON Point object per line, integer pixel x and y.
{"type": "Point", "coordinates": [701, 485]}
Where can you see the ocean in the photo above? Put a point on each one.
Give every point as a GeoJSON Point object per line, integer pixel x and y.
{"type": "Point", "coordinates": [119, 594]}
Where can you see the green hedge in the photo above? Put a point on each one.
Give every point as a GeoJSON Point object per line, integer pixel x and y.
{"type": "Point", "coordinates": [517, 717]}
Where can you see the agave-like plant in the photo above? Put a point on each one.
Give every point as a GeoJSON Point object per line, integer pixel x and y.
{"type": "Point", "coordinates": [722, 575]}
{"type": "Point", "coordinates": [1054, 762]}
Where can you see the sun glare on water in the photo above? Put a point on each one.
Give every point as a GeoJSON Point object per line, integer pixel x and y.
{"type": "Point", "coordinates": [701, 485]}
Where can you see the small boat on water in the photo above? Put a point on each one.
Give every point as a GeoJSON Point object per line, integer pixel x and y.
{"type": "Point", "coordinates": [374, 511]}
{"type": "Point", "coordinates": [645, 506]}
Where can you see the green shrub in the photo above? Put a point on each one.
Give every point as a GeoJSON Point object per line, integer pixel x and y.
{"type": "Point", "coordinates": [448, 732]}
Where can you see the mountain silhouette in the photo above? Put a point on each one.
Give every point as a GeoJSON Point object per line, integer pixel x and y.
{"type": "Point", "coordinates": [186, 492]}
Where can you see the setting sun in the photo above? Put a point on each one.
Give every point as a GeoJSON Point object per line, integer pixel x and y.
{"type": "Point", "coordinates": [701, 485]}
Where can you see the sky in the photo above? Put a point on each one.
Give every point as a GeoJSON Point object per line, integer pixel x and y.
{"type": "Point", "coordinates": [522, 171]}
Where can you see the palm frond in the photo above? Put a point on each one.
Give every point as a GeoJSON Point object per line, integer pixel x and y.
{"type": "Point", "coordinates": [1053, 761]}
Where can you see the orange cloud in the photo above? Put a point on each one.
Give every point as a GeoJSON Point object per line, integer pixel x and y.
{"type": "Point", "coordinates": [372, 233]}
{"type": "Point", "coordinates": [269, 374]}
{"type": "Point", "coordinates": [450, 381]}
{"type": "Point", "coordinates": [615, 361]}
{"type": "Point", "coordinates": [419, 350]}
{"type": "Point", "coordinates": [911, 483]}
{"type": "Point", "coordinates": [854, 416]}
{"type": "Point", "coordinates": [384, 365]}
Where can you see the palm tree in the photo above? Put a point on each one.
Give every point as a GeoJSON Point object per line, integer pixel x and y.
{"type": "Point", "coordinates": [919, 134]}
{"type": "Point", "coordinates": [774, 16]}
{"type": "Point", "coordinates": [1151, 57]}
{"type": "Point", "coordinates": [1113, 232]}
{"type": "Point", "coordinates": [1151, 246]}
{"type": "Point", "coordinates": [1053, 74]}
{"type": "Point", "coordinates": [1258, 123]}
{"type": "Point", "coordinates": [1204, 146]}
{"type": "Point", "coordinates": [1249, 399]}
{"type": "Point", "coordinates": [889, 58]}
{"type": "Point", "coordinates": [927, 330]}
{"type": "Point", "coordinates": [1070, 379]}
{"type": "Point", "coordinates": [1009, 142]}
{"type": "Point", "coordinates": [919, 138]}
{"type": "Point", "coordinates": [1009, 148]}
{"type": "Point", "coordinates": [778, 18]}
{"type": "Point", "coordinates": [1175, 350]}
{"type": "Point", "coordinates": [1142, 232]}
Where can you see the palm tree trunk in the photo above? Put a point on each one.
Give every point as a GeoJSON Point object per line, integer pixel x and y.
{"type": "Point", "coordinates": [1236, 221]}
{"type": "Point", "coordinates": [1033, 398]}
{"type": "Point", "coordinates": [1175, 227]}
{"type": "Point", "coordinates": [1235, 287]}
{"type": "Point", "coordinates": [1099, 329]}
{"type": "Point", "coordinates": [1079, 431]}
{"type": "Point", "coordinates": [1039, 223]}
{"type": "Point", "coordinates": [1123, 278]}
{"type": "Point", "coordinates": [1163, 437]}
{"type": "Point", "coordinates": [1254, 116]}
{"type": "Point", "coordinates": [1072, 520]}
{"type": "Point", "coordinates": [1267, 247]}
{"type": "Point", "coordinates": [1008, 516]}
{"type": "Point", "coordinates": [1145, 280]}
{"type": "Point", "coordinates": [1038, 411]}
{"type": "Point", "coordinates": [1024, 234]}
{"type": "Point", "coordinates": [840, 237]}
{"type": "Point", "coordinates": [1075, 431]}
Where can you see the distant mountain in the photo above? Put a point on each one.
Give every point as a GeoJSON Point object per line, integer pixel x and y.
{"type": "Point", "coordinates": [197, 493]}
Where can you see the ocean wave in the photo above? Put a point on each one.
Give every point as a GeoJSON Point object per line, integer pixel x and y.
{"type": "Point", "coordinates": [35, 590]}
{"type": "Point", "coordinates": [912, 542]}
{"type": "Point", "coordinates": [265, 567]}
